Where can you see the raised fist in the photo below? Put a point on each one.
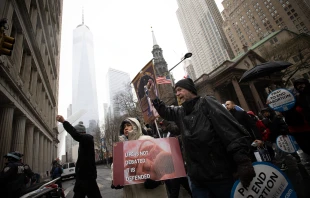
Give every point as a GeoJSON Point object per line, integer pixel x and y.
{"type": "Point", "coordinates": [60, 118]}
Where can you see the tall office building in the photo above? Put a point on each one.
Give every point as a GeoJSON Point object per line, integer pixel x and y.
{"type": "Point", "coordinates": [201, 25]}
{"type": "Point", "coordinates": [118, 81]}
{"type": "Point", "coordinates": [105, 111]}
{"type": "Point", "coordinates": [29, 82]}
{"type": "Point", "coordinates": [247, 22]}
{"type": "Point", "coordinates": [189, 69]}
{"type": "Point", "coordinates": [84, 89]}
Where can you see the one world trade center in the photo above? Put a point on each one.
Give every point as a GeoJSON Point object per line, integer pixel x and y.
{"type": "Point", "coordinates": [84, 90]}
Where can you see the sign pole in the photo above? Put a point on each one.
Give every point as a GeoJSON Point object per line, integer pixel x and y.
{"type": "Point", "coordinates": [157, 129]}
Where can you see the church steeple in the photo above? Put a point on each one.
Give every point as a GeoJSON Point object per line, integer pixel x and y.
{"type": "Point", "coordinates": [154, 39]}
{"type": "Point", "coordinates": [160, 64]}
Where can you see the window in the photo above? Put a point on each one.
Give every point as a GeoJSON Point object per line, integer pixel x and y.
{"type": "Point", "coordinates": [65, 166]}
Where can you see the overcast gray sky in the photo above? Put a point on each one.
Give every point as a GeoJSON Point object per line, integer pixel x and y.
{"type": "Point", "coordinates": [122, 39]}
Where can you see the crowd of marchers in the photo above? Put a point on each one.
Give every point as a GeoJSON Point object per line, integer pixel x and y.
{"type": "Point", "coordinates": [217, 143]}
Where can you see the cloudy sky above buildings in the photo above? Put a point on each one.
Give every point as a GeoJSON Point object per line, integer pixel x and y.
{"type": "Point", "coordinates": [122, 39]}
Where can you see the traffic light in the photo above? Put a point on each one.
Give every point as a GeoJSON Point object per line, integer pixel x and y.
{"type": "Point", "coordinates": [6, 44]}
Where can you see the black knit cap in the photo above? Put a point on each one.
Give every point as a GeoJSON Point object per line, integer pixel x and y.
{"type": "Point", "coordinates": [187, 84]}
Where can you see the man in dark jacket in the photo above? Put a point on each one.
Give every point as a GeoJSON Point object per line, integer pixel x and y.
{"type": "Point", "coordinates": [245, 120]}
{"type": "Point", "coordinates": [215, 144]}
{"type": "Point", "coordinates": [14, 176]}
{"type": "Point", "coordinates": [56, 172]}
{"type": "Point", "coordinates": [85, 169]}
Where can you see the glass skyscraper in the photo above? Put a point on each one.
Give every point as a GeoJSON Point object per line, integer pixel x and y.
{"type": "Point", "coordinates": [118, 81]}
{"type": "Point", "coordinates": [84, 90]}
{"type": "Point", "coordinates": [201, 25]}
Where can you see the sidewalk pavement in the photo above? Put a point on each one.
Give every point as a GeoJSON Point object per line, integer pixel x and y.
{"type": "Point", "coordinates": [104, 183]}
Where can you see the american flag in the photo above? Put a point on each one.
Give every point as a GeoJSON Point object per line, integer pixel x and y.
{"type": "Point", "coordinates": [163, 80]}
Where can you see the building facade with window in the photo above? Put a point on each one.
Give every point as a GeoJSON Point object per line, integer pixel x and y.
{"type": "Point", "coordinates": [248, 22]}
{"type": "Point", "coordinates": [29, 82]}
{"type": "Point", "coordinates": [118, 82]}
{"type": "Point", "coordinates": [201, 25]}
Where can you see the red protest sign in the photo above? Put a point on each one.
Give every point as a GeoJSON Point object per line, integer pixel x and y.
{"type": "Point", "coordinates": [138, 160]}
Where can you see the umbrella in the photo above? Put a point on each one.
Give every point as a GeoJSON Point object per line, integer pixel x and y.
{"type": "Point", "coordinates": [264, 69]}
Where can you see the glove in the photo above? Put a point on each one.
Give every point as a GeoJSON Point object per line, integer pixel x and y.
{"type": "Point", "coordinates": [151, 184]}
{"type": "Point", "coordinates": [116, 187]}
{"type": "Point", "coordinates": [246, 172]}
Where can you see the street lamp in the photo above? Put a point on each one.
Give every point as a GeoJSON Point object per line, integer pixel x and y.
{"type": "Point", "coordinates": [187, 55]}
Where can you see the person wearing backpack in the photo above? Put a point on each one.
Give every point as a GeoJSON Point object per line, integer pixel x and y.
{"type": "Point", "coordinates": [214, 142]}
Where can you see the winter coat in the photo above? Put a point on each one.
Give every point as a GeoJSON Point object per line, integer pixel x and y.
{"type": "Point", "coordinates": [85, 166]}
{"type": "Point", "coordinates": [138, 190]}
{"type": "Point", "coordinates": [276, 126]}
{"type": "Point", "coordinates": [245, 120]}
{"type": "Point", "coordinates": [56, 172]}
{"type": "Point", "coordinates": [298, 118]}
{"type": "Point", "coordinates": [213, 140]}
{"type": "Point", "coordinates": [13, 179]}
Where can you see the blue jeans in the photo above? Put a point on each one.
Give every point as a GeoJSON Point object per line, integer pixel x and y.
{"type": "Point", "coordinates": [216, 189]}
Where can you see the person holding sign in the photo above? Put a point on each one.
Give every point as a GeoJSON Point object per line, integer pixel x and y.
{"type": "Point", "coordinates": [215, 144]}
{"type": "Point", "coordinates": [131, 129]}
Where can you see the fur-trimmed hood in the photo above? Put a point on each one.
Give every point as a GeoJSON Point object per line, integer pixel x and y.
{"type": "Point", "coordinates": [136, 132]}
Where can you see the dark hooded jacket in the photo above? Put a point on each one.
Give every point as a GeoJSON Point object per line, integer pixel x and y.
{"type": "Point", "coordinates": [213, 140]}
{"type": "Point", "coordinates": [298, 118]}
{"type": "Point", "coordinates": [275, 124]}
{"type": "Point", "coordinates": [85, 166]}
{"type": "Point", "coordinates": [245, 120]}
